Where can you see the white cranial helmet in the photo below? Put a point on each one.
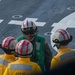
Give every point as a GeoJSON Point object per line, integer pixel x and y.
{"type": "Point", "coordinates": [8, 43]}
{"type": "Point", "coordinates": [24, 48]}
{"type": "Point", "coordinates": [61, 36]}
{"type": "Point", "coordinates": [29, 27]}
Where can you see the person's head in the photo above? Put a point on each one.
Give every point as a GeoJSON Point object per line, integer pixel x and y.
{"type": "Point", "coordinates": [61, 38]}
{"type": "Point", "coordinates": [24, 48]}
{"type": "Point", "coordinates": [8, 45]}
{"type": "Point", "coordinates": [29, 30]}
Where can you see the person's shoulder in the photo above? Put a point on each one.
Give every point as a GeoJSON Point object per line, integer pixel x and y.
{"type": "Point", "coordinates": [40, 36]}
{"type": "Point", "coordinates": [1, 55]}
{"type": "Point", "coordinates": [34, 63]}
{"type": "Point", "coordinates": [73, 49]}
{"type": "Point", "coordinates": [55, 57]}
{"type": "Point", "coordinates": [12, 63]}
{"type": "Point", "coordinates": [20, 38]}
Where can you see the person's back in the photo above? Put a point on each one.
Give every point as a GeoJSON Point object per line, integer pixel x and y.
{"type": "Point", "coordinates": [23, 65]}
{"type": "Point", "coordinates": [65, 55]}
{"type": "Point", "coordinates": [5, 59]}
{"type": "Point", "coordinates": [8, 56]}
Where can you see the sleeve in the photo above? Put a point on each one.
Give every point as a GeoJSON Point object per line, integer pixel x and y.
{"type": "Point", "coordinates": [6, 71]}
{"type": "Point", "coordinates": [38, 69]}
{"type": "Point", "coordinates": [48, 56]}
{"type": "Point", "coordinates": [54, 64]}
{"type": "Point", "coordinates": [20, 38]}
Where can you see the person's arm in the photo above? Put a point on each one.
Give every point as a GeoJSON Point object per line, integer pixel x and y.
{"type": "Point", "coordinates": [6, 71]}
{"type": "Point", "coordinates": [38, 70]}
{"type": "Point", "coordinates": [54, 63]}
{"type": "Point", "coordinates": [48, 56]}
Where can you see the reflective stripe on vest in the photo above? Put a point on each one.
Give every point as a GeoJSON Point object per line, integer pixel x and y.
{"type": "Point", "coordinates": [37, 45]}
{"type": "Point", "coordinates": [67, 55]}
{"type": "Point", "coordinates": [3, 62]}
{"type": "Point", "coordinates": [20, 67]}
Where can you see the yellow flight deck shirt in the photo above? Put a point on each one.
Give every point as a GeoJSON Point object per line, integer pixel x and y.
{"type": "Point", "coordinates": [22, 66]}
{"type": "Point", "coordinates": [63, 56]}
{"type": "Point", "coordinates": [4, 60]}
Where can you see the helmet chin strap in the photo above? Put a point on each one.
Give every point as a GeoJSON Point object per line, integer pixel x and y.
{"type": "Point", "coordinates": [57, 45]}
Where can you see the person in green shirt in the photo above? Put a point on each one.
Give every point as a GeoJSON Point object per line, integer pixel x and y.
{"type": "Point", "coordinates": [41, 52]}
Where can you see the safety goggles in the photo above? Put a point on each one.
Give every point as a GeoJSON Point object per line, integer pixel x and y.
{"type": "Point", "coordinates": [29, 32]}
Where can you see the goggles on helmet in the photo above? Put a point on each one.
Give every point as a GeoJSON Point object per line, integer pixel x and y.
{"type": "Point", "coordinates": [28, 31]}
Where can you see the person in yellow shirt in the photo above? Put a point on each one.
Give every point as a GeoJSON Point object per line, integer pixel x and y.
{"type": "Point", "coordinates": [8, 46]}
{"type": "Point", "coordinates": [65, 55]}
{"type": "Point", "coordinates": [23, 65]}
